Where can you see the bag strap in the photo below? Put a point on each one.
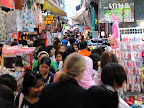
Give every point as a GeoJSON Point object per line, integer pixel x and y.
{"type": "Point", "coordinates": [34, 6]}
{"type": "Point", "coordinates": [25, 5]}
{"type": "Point", "coordinates": [20, 100]}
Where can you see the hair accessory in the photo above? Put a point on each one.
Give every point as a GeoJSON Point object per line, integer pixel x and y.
{"type": "Point", "coordinates": [65, 71]}
{"type": "Point", "coordinates": [43, 52]}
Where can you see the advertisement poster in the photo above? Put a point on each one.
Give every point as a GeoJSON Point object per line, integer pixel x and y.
{"type": "Point", "coordinates": [116, 10]}
{"type": "Point", "coordinates": [6, 3]}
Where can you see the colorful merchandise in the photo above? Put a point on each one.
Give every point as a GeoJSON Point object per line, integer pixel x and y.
{"type": "Point", "coordinates": [131, 59]}
{"type": "Point", "coordinates": [37, 15]}
{"type": "Point", "coordinates": [27, 19]}
{"type": "Point", "coordinates": [13, 21]}
{"type": "Point", "coordinates": [3, 34]}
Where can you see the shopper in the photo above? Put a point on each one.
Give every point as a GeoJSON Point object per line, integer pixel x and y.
{"type": "Point", "coordinates": [113, 77]}
{"type": "Point", "coordinates": [106, 58]}
{"type": "Point", "coordinates": [41, 54]}
{"type": "Point", "coordinates": [84, 47]}
{"type": "Point", "coordinates": [59, 60]}
{"type": "Point", "coordinates": [66, 92]}
{"type": "Point", "coordinates": [75, 46]}
{"type": "Point", "coordinates": [32, 87]}
{"type": "Point", "coordinates": [87, 80]}
{"type": "Point", "coordinates": [9, 81]}
{"type": "Point", "coordinates": [61, 48]}
{"type": "Point", "coordinates": [95, 58]}
{"type": "Point", "coordinates": [65, 41]}
{"type": "Point", "coordinates": [44, 70]}
{"type": "Point", "coordinates": [6, 97]}
{"type": "Point", "coordinates": [51, 50]}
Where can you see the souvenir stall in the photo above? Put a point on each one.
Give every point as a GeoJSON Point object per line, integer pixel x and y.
{"type": "Point", "coordinates": [131, 59]}
{"type": "Point", "coordinates": [15, 59]}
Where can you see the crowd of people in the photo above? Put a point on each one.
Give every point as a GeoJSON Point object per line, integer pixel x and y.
{"type": "Point", "coordinates": [68, 75]}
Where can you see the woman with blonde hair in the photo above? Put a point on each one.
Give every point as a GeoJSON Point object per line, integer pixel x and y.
{"type": "Point", "coordinates": [66, 92]}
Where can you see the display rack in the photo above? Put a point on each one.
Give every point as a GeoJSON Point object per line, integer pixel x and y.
{"type": "Point", "coordinates": [131, 58]}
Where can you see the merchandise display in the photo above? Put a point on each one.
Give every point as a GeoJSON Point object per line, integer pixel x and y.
{"type": "Point", "coordinates": [132, 61]}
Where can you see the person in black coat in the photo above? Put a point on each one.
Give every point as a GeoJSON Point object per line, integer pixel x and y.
{"type": "Point", "coordinates": [66, 92]}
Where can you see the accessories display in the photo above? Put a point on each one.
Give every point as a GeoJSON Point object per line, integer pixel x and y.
{"type": "Point", "coordinates": [13, 21]}
{"type": "Point", "coordinates": [131, 59]}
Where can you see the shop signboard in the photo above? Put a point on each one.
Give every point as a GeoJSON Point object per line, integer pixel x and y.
{"type": "Point", "coordinates": [6, 3]}
{"type": "Point", "coordinates": [120, 10]}
{"type": "Point", "coordinates": [49, 19]}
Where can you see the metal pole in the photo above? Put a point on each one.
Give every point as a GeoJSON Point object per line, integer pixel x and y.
{"type": "Point", "coordinates": [93, 21]}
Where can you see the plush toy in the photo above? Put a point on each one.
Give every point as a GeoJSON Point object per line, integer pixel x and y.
{"type": "Point", "coordinates": [114, 39]}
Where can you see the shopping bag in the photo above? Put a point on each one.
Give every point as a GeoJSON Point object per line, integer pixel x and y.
{"type": "Point", "coordinates": [27, 19]}
{"type": "Point", "coordinates": [13, 21]}
{"type": "Point", "coordinates": [37, 15]}
{"type": "Point", "coordinates": [3, 34]}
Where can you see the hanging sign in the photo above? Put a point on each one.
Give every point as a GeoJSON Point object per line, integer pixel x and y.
{"type": "Point", "coordinates": [6, 3]}
{"type": "Point", "coordinates": [49, 19]}
{"type": "Point", "coordinates": [116, 10]}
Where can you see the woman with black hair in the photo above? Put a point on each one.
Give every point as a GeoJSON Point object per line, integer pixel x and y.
{"type": "Point", "coordinates": [59, 60]}
{"type": "Point", "coordinates": [106, 95]}
{"type": "Point", "coordinates": [32, 87]}
{"type": "Point", "coordinates": [44, 66]}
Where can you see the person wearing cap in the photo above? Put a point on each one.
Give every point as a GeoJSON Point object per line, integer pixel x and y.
{"type": "Point", "coordinates": [40, 55]}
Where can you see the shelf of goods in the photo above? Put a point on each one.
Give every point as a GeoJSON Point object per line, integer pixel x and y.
{"type": "Point", "coordinates": [131, 59]}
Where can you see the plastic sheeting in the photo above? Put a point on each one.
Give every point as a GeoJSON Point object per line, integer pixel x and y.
{"type": "Point", "coordinates": [83, 15]}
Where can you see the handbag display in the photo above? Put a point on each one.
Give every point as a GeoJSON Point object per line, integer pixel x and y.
{"type": "Point", "coordinates": [27, 19]}
{"type": "Point", "coordinates": [3, 34]}
{"type": "Point", "coordinates": [13, 21]}
{"type": "Point", "coordinates": [37, 15]}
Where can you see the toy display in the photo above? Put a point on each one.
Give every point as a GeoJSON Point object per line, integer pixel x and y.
{"type": "Point", "coordinates": [131, 59]}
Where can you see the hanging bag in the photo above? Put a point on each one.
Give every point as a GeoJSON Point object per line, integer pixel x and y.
{"type": "Point", "coordinates": [3, 34]}
{"type": "Point", "coordinates": [27, 19]}
{"type": "Point", "coordinates": [37, 15]}
{"type": "Point", "coordinates": [13, 21]}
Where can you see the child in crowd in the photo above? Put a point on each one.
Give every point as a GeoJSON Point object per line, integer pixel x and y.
{"type": "Point", "coordinates": [59, 60]}
{"type": "Point", "coordinates": [44, 70]}
{"type": "Point", "coordinates": [61, 48]}
{"type": "Point", "coordinates": [66, 92]}
{"type": "Point", "coordinates": [32, 87]}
